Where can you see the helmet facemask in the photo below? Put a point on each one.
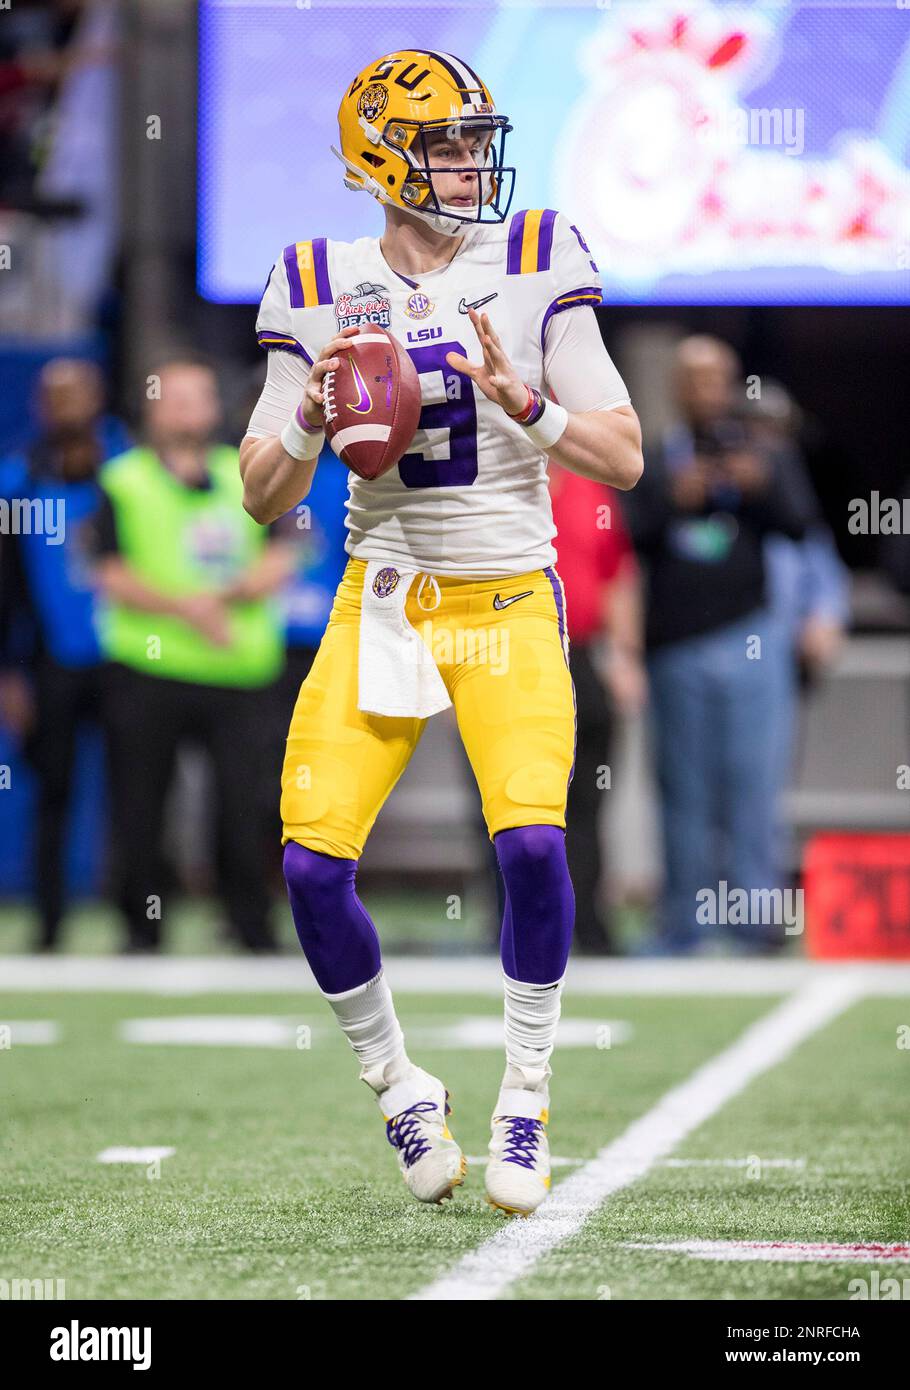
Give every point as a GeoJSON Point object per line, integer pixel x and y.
{"type": "Point", "coordinates": [494, 179]}
{"type": "Point", "coordinates": [389, 119]}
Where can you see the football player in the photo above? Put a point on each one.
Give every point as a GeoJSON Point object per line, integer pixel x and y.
{"type": "Point", "coordinates": [496, 312]}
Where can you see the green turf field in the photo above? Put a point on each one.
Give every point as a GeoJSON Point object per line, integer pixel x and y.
{"type": "Point", "coordinates": [412, 921]}
{"type": "Point", "coordinates": [282, 1185]}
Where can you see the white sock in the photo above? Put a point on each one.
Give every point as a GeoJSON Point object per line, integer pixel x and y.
{"type": "Point", "coordinates": [368, 1021]}
{"type": "Point", "coordinates": [531, 1016]}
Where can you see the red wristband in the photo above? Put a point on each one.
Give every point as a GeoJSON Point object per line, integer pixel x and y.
{"type": "Point", "coordinates": [526, 409]}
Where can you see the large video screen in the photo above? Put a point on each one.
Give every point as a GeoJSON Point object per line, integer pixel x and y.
{"type": "Point", "coordinates": [711, 153]}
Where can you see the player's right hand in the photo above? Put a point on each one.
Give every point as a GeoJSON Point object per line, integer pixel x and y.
{"type": "Point", "coordinates": [327, 361]}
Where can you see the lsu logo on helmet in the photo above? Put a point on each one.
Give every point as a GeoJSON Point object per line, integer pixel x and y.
{"type": "Point", "coordinates": [372, 101]}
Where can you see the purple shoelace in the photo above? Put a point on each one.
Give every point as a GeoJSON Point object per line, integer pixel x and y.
{"type": "Point", "coordinates": [403, 1131]}
{"type": "Point", "coordinates": [521, 1145]}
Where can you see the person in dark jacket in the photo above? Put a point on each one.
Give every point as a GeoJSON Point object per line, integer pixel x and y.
{"type": "Point", "coordinates": [50, 488]}
{"type": "Point", "coordinates": [710, 495]}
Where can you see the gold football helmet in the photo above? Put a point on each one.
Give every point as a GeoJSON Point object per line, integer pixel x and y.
{"type": "Point", "coordinates": [385, 117]}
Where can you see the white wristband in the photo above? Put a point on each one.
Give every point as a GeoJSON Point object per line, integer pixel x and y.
{"type": "Point", "coordinates": [301, 441]}
{"type": "Point", "coordinates": [548, 427]}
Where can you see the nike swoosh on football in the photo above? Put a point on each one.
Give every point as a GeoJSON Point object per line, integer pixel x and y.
{"type": "Point", "coordinates": [364, 405]}
{"type": "Point", "coordinates": [504, 602]}
{"type": "Point", "coordinates": [464, 305]}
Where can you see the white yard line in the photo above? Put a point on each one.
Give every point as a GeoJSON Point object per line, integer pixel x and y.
{"type": "Point", "coordinates": [473, 1032]}
{"type": "Point", "coordinates": [31, 1031]}
{"type": "Point", "coordinates": [121, 1153]}
{"type": "Point", "coordinates": [777, 1251]}
{"type": "Point", "coordinates": [733, 1162]}
{"type": "Point", "coordinates": [182, 975]}
{"type": "Point", "coordinates": [512, 1253]}
{"type": "Point", "coordinates": [555, 1161]}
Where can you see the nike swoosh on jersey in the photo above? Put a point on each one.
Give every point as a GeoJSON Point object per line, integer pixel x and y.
{"type": "Point", "coordinates": [465, 305]}
{"type": "Point", "coordinates": [504, 602]}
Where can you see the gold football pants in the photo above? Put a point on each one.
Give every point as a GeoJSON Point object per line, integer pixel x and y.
{"type": "Point", "coordinates": [505, 666]}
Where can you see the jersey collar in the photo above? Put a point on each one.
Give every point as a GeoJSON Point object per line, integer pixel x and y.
{"type": "Point", "coordinates": [438, 273]}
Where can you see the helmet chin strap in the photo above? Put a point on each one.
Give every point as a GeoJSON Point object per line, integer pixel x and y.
{"type": "Point", "coordinates": [448, 226]}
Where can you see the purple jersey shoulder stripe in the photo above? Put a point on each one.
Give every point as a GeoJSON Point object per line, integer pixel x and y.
{"type": "Point", "coordinates": [321, 268]}
{"type": "Point", "coordinates": [516, 234]}
{"type": "Point", "coordinates": [290, 265]}
{"type": "Point", "coordinates": [588, 294]}
{"type": "Point", "coordinates": [545, 239]}
{"type": "Point", "coordinates": [586, 248]}
{"type": "Point", "coordinates": [273, 341]}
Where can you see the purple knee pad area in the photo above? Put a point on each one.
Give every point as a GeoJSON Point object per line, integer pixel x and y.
{"type": "Point", "coordinates": [340, 941]}
{"type": "Point", "coordinates": [333, 926]}
{"type": "Point", "coordinates": [540, 904]}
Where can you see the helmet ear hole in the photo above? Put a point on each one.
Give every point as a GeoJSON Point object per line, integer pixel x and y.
{"type": "Point", "coordinates": [374, 159]}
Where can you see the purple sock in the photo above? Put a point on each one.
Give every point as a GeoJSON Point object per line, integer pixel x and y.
{"type": "Point", "coordinates": [540, 904]}
{"type": "Point", "coordinates": [335, 930]}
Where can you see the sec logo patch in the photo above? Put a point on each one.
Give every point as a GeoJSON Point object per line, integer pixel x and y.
{"type": "Point", "coordinates": [419, 306]}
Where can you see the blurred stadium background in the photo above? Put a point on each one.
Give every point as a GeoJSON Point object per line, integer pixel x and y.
{"type": "Point", "coordinates": [156, 155]}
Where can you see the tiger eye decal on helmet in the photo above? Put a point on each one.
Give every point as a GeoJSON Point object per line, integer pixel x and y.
{"type": "Point", "coordinates": [385, 117]}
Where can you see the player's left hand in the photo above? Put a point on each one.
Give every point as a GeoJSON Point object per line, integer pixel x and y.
{"type": "Point", "coordinates": [494, 376]}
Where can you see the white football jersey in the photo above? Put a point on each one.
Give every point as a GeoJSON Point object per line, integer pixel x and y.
{"type": "Point", "coordinates": [470, 498]}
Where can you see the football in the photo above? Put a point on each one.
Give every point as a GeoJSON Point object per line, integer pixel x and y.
{"type": "Point", "coordinates": [372, 403]}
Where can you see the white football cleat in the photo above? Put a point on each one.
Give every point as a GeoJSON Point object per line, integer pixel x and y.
{"type": "Point", "coordinates": [415, 1108]}
{"type": "Point", "coordinates": [518, 1172]}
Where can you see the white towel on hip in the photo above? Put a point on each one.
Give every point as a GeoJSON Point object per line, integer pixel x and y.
{"type": "Point", "coordinates": [396, 674]}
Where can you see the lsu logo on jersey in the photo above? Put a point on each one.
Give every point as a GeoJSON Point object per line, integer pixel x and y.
{"type": "Point", "coordinates": [365, 303]}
